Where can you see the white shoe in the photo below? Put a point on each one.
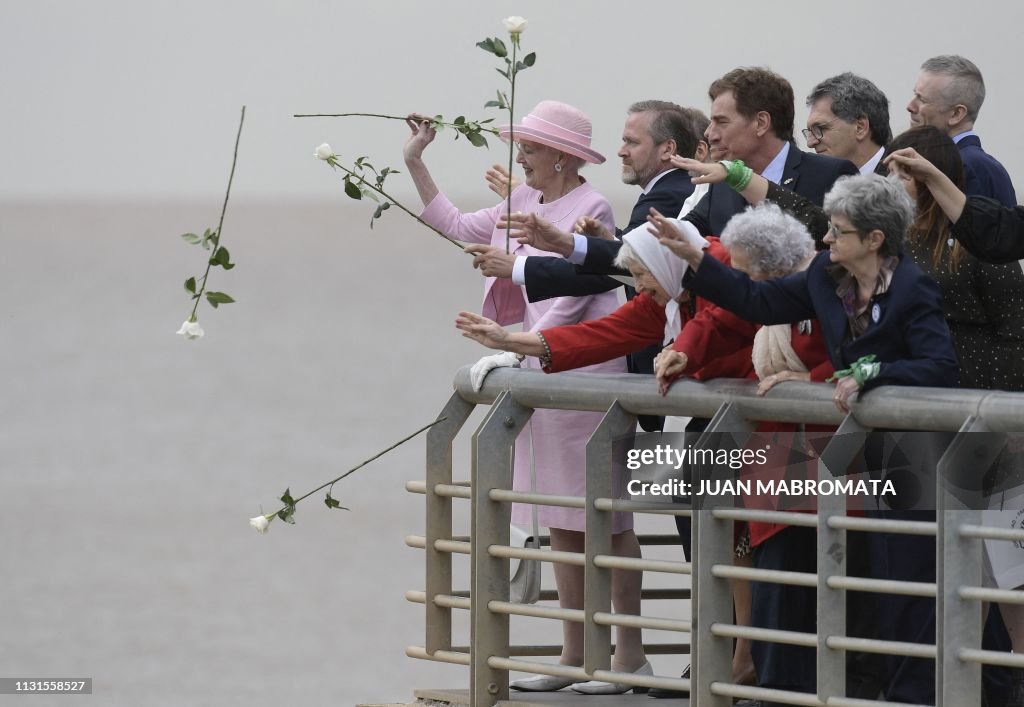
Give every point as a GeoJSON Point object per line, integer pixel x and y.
{"type": "Point", "coordinates": [541, 683]}
{"type": "Point", "coordinates": [596, 687]}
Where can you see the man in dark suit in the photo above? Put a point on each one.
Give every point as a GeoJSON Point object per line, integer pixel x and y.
{"type": "Point", "coordinates": [948, 95]}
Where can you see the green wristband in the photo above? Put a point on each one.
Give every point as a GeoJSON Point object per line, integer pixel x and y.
{"type": "Point", "coordinates": [862, 370]}
{"type": "Point", "coordinates": [737, 174]}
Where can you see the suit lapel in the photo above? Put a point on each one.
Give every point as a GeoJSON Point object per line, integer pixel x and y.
{"type": "Point", "coordinates": [791, 170]}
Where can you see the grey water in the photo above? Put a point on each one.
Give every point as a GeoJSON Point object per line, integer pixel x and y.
{"type": "Point", "coordinates": [131, 459]}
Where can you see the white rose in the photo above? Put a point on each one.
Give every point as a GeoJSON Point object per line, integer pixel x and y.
{"type": "Point", "coordinates": [324, 152]}
{"type": "Point", "coordinates": [260, 523]}
{"type": "Point", "coordinates": [515, 24]}
{"type": "Point", "coordinates": [191, 329]}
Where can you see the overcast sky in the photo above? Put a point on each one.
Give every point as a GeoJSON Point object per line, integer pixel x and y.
{"type": "Point", "coordinates": [119, 98]}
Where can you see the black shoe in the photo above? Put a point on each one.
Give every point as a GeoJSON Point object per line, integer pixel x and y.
{"type": "Point", "coordinates": [660, 693]}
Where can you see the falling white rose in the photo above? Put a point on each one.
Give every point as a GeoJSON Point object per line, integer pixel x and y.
{"type": "Point", "coordinates": [260, 523]}
{"type": "Point", "coordinates": [324, 152]}
{"type": "Point", "coordinates": [515, 24]}
{"type": "Point", "coordinates": [190, 329]}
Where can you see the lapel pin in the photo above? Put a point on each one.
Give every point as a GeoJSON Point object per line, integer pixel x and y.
{"type": "Point", "coordinates": [787, 181]}
{"type": "Point", "coordinates": [876, 313]}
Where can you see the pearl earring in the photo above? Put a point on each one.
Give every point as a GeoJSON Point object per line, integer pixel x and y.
{"type": "Point", "coordinates": [558, 166]}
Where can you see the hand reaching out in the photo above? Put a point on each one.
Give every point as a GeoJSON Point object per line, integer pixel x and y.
{"type": "Point", "coordinates": [491, 261]}
{"type": "Point", "coordinates": [670, 236]}
{"type": "Point", "coordinates": [533, 230]}
{"type": "Point", "coordinates": [702, 172]}
{"type": "Point", "coordinates": [592, 227]}
{"type": "Point", "coordinates": [422, 135]}
{"type": "Point", "coordinates": [498, 180]}
{"type": "Point", "coordinates": [482, 330]}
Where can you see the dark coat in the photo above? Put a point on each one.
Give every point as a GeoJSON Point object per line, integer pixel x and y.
{"type": "Point", "coordinates": [909, 336]}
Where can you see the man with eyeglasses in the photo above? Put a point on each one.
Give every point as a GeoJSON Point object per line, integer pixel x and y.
{"type": "Point", "coordinates": [948, 95]}
{"type": "Point", "coordinates": [848, 119]}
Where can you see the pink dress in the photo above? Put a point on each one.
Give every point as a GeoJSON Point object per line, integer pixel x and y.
{"type": "Point", "coordinates": [559, 437]}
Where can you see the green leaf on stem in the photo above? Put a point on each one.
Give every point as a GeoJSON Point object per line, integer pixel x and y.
{"type": "Point", "coordinates": [460, 120]}
{"type": "Point", "coordinates": [222, 258]}
{"type": "Point", "coordinates": [286, 497]}
{"type": "Point", "coordinates": [218, 298]}
{"type": "Point", "coordinates": [333, 502]}
{"type": "Point", "coordinates": [378, 211]}
{"type": "Point", "coordinates": [352, 190]}
{"type": "Point", "coordinates": [190, 285]}
{"type": "Point", "coordinates": [503, 73]}
{"type": "Point", "coordinates": [499, 47]}
{"type": "Point", "coordinates": [476, 139]}
{"type": "Point", "coordinates": [530, 59]}
{"type": "Point", "coordinates": [191, 238]}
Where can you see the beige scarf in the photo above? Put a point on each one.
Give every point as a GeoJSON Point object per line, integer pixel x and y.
{"type": "Point", "coordinates": [773, 350]}
{"type": "Point", "coordinates": [773, 345]}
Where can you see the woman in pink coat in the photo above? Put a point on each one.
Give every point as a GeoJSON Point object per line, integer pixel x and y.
{"type": "Point", "coordinates": [554, 143]}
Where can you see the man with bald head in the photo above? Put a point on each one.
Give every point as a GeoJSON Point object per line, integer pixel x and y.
{"type": "Point", "coordinates": [948, 95]}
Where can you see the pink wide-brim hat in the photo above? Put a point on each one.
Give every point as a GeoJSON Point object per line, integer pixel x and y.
{"type": "Point", "coordinates": [556, 125]}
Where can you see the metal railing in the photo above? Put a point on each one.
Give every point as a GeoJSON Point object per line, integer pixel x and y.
{"type": "Point", "coordinates": [733, 407]}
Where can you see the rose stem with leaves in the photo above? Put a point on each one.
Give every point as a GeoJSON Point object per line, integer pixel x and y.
{"type": "Point", "coordinates": [511, 143]}
{"type": "Point", "coordinates": [492, 131]}
{"type": "Point", "coordinates": [333, 161]}
{"type": "Point", "coordinates": [362, 464]}
{"type": "Point", "coordinates": [220, 224]}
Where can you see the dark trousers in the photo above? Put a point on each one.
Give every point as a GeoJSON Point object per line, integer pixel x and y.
{"type": "Point", "coordinates": [784, 607]}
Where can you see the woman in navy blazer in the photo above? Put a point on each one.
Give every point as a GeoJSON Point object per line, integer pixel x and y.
{"type": "Point", "coordinates": [869, 299]}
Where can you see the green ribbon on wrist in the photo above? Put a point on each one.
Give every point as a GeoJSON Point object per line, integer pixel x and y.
{"type": "Point", "coordinates": [737, 174]}
{"type": "Point", "coordinates": [862, 370]}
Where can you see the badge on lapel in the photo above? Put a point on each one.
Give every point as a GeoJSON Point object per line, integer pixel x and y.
{"type": "Point", "coordinates": [876, 312]}
{"type": "Point", "coordinates": [787, 181]}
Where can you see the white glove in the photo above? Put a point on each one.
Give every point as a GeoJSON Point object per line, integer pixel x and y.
{"type": "Point", "coordinates": [484, 366]}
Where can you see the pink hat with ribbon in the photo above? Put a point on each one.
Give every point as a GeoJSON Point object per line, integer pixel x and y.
{"type": "Point", "coordinates": [556, 125]}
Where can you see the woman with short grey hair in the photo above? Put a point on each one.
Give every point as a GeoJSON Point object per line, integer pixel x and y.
{"type": "Point", "coordinates": [882, 316]}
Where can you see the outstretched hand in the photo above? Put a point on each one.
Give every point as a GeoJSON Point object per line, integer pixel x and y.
{"type": "Point", "coordinates": [701, 172]}
{"type": "Point", "coordinates": [592, 227]}
{"type": "Point", "coordinates": [670, 236]}
{"type": "Point", "coordinates": [531, 229]}
{"type": "Point", "coordinates": [491, 261]}
{"type": "Point", "coordinates": [913, 164]}
{"type": "Point", "coordinates": [481, 330]}
{"type": "Point", "coordinates": [422, 135]}
{"type": "Point", "coordinates": [499, 180]}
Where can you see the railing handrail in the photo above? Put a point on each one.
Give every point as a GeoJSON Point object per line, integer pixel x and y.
{"type": "Point", "coordinates": [896, 407]}
{"type": "Point", "coordinates": [735, 407]}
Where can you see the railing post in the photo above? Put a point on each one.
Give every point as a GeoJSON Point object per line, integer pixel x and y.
{"type": "Point", "coordinates": [439, 522]}
{"type": "Point", "coordinates": [597, 596]}
{"type": "Point", "coordinates": [711, 598]}
{"type": "Point", "coordinates": [492, 468]}
{"type": "Point", "coordinates": [833, 548]}
{"type": "Point", "coordinates": [958, 563]}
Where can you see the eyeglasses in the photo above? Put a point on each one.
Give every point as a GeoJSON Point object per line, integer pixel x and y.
{"type": "Point", "coordinates": [817, 131]}
{"type": "Point", "coordinates": [837, 232]}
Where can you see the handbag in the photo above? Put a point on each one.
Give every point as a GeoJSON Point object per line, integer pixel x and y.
{"type": "Point", "coordinates": [524, 586]}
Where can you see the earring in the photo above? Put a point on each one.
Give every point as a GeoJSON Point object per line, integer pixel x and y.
{"type": "Point", "coordinates": [558, 166]}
